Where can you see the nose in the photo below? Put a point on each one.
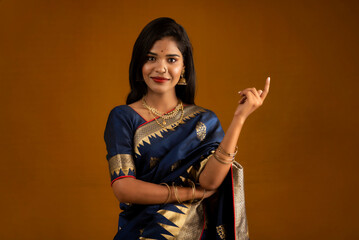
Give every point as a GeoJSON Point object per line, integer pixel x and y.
{"type": "Point", "coordinates": [161, 67]}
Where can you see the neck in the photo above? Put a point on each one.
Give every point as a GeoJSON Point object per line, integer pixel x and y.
{"type": "Point", "coordinates": [162, 102]}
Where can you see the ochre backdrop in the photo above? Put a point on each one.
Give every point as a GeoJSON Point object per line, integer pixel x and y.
{"type": "Point", "coordinates": [64, 66]}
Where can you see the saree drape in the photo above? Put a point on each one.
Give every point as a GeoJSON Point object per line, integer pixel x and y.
{"type": "Point", "coordinates": [175, 154]}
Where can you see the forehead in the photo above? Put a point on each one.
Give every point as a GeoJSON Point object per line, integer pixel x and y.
{"type": "Point", "coordinates": [165, 45]}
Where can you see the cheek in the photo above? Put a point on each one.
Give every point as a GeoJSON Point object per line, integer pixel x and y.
{"type": "Point", "coordinates": [177, 71]}
{"type": "Point", "coordinates": [146, 69]}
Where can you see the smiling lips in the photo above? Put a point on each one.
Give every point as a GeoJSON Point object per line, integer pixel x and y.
{"type": "Point", "coordinates": [159, 79]}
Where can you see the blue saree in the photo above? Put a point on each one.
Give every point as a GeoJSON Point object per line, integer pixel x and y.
{"type": "Point", "coordinates": [146, 151]}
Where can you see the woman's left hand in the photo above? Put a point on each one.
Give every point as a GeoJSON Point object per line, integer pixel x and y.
{"type": "Point", "coordinates": [251, 100]}
{"type": "Point", "coordinates": [215, 172]}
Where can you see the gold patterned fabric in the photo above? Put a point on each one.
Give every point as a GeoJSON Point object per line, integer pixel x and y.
{"type": "Point", "coordinates": [194, 222]}
{"type": "Point", "coordinates": [152, 130]}
{"type": "Point", "coordinates": [121, 165]}
{"type": "Point", "coordinates": [221, 232]}
{"type": "Point", "coordinates": [241, 226]}
{"type": "Point", "coordinates": [201, 130]}
{"type": "Point", "coordinates": [195, 170]}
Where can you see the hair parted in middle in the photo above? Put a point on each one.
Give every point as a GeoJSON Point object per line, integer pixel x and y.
{"type": "Point", "coordinates": [152, 32]}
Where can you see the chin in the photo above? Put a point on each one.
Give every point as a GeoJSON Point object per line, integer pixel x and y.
{"type": "Point", "coordinates": [160, 89]}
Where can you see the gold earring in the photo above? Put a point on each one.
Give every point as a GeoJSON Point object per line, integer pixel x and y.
{"type": "Point", "coordinates": [182, 80]}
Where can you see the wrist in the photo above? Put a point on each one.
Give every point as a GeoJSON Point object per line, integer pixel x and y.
{"type": "Point", "coordinates": [239, 119]}
{"type": "Point", "coordinates": [182, 194]}
{"type": "Point", "coordinates": [199, 193]}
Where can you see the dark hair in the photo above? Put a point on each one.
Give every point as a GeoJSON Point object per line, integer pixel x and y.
{"type": "Point", "coordinates": [156, 30]}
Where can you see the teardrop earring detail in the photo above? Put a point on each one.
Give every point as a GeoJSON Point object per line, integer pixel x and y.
{"type": "Point", "coordinates": [182, 80]}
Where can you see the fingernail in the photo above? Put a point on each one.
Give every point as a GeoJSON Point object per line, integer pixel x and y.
{"type": "Point", "coordinates": [268, 78]}
{"type": "Point", "coordinates": [239, 92]}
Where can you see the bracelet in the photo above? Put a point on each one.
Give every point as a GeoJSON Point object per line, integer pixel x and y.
{"type": "Point", "coordinates": [223, 161]}
{"type": "Point", "coordinates": [193, 191]}
{"type": "Point", "coordinates": [175, 191]}
{"type": "Point", "coordinates": [169, 192]}
{"type": "Point", "coordinates": [221, 150]}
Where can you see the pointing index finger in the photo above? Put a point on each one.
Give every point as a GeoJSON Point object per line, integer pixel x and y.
{"type": "Point", "coordinates": [266, 88]}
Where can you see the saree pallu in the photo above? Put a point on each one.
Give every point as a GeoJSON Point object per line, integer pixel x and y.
{"type": "Point", "coordinates": [174, 155]}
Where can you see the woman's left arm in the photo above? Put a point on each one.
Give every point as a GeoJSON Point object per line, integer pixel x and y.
{"type": "Point", "coordinates": [214, 172]}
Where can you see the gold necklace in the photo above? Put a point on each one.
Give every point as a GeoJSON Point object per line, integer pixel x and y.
{"type": "Point", "coordinates": [160, 114]}
{"type": "Point", "coordinates": [164, 116]}
{"type": "Point", "coordinates": [173, 125]}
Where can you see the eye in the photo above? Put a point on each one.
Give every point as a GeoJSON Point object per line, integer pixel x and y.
{"type": "Point", "coordinates": [172, 60]}
{"type": "Point", "coordinates": [151, 58]}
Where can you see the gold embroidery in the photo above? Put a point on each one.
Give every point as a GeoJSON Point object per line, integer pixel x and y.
{"type": "Point", "coordinates": [122, 162]}
{"type": "Point", "coordinates": [183, 179]}
{"type": "Point", "coordinates": [154, 161]}
{"type": "Point", "coordinates": [201, 131]}
{"type": "Point", "coordinates": [195, 170]}
{"type": "Point", "coordinates": [176, 218]}
{"type": "Point", "coordinates": [192, 112]}
{"type": "Point", "coordinates": [152, 130]}
{"type": "Point", "coordinates": [221, 231]}
{"type": "Point", "coordinates": [187, 222]}
{"type": "Point", "coordinates": [192, 227]}
{"type": "Point", "coordinates": [175, 165]}
{"type": "Point", "coordinates": [239, 202]}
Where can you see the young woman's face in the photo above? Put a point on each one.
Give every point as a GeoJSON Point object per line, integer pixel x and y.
{"type": "Point", "coordinates": [163, 67]}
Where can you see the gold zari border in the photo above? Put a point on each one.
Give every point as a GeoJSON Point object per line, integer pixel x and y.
{"type": "Point", "coordinates": [152, 130]}
{"type": "Point", "coordinates": [122, 162]}
{"type": "Point", "coordinates": [241, 226]}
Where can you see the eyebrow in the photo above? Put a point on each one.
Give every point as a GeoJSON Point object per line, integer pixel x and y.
{"type": "Point", "coordinates": [168, 55]}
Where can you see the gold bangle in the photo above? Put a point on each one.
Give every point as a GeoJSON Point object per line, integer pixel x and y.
{"type": "Point", "coordinates": [221, 150]}
{"type": "Point", "coordinates": [175, 192]}
{"type": "Point", "coordinates": [223, 161]}
{"type": "Point", "coordinates": [193, 191]}
{"type": "Point", "coordinates": [169, 192]}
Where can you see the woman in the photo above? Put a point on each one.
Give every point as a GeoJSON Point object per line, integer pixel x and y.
{"type": "Point", "coordinates": [172, 167]}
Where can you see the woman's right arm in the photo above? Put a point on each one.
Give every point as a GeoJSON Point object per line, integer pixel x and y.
{"type": "Point", "coordinates": [128, 189]}
{"type": "Point", "coordinates": [131, 190]}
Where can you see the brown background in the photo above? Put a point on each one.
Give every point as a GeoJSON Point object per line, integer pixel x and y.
{"type": "Point", "coordinates": [64, 66]}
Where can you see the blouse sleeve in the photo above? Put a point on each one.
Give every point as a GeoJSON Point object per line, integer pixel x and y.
{"type": "Point", "coordinates": [119, 144]}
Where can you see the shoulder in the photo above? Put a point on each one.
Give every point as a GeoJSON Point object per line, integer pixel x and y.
{"type": "Point", "coordinates": [201, 110]}
{"type": "Point", "coordinates": [122, 112]}
{"type": "Point", "coordinates": [123, 115]}
{"type": "Point", "coordinates": [201, 114]}
{"type": "Point", "coordinates": [119, 110]}
{"type": "Point", "coordinates": [208, 120]}
{"type": "Point", "coordinates": [122, 120]}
